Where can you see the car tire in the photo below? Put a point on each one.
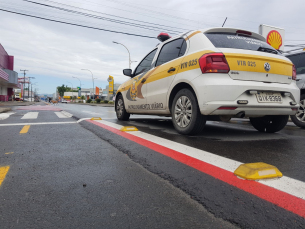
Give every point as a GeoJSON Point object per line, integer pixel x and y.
{"type": "Point", "coordinates": [297, 119]}
{"type": "Point", "coordinates": [120, 111]}
{"type": "Point", "coordinates": [186, 115]}
{"type": "Point", "coordinates": [270, 123]}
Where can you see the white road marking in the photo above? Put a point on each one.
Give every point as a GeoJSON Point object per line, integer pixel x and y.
{"type": "Point", "coordinates": [30, 115]}
{"type": "Point", "coordinates": [67, 114]}
{"type": "Point", "coordinates": [63, 114]}
{"type": "Point", "coordinates": [38, 123]}
{"type": "Point", "coordinates": [90, 112]}
{"type": "Point", "coordinates": [82, 119]}
{"type": "Point", "coordinates": [286, 184]}
{"type": "Point", "coordinates": [60, 115]}
{"type": "Point", "coordinates": [5, 115]}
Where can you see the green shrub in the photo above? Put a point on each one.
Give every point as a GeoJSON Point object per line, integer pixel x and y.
{"type": "Point", "coordinates": [106, 101]}
{"type": "Point", "coordinates": [89, 100]}
{"type": "Point", "coordinates": [80, 101]}
{"type": "Point", "coordinates": [111, 102]}
{"type": "Point", "coordinates": [98, 100]}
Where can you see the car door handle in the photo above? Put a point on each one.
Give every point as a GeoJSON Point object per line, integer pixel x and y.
{"type": "Point", "coordinates": [171, 70]}
{"type": "Point", "coordinates": [143, 80]}
{"type": "Point", "coordinates": [298, 79]}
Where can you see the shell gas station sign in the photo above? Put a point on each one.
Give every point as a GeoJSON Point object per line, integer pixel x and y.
{"type": "Point", "coordinates": [274, 36]}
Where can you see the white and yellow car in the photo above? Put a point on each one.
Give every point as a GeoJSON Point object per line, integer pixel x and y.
{"type": "Point", "coordinates": [212, 74]}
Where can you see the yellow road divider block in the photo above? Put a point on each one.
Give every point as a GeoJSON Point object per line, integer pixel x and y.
{"type": "Point", "coordinates": [128, 128]}
{"type": "Point", "coordinates": [257, 171]}
{"type": "Point", "coordinates": [3, 172]}
{"type": "Point", "coordinates": [9, 153]}
{"type": "Point", "coordinates": [25, 129]}
{"type": "Point", "coordinates": [96, 118]}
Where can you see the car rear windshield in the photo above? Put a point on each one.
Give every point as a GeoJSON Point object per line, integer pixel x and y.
{"type": "Point", "coordinates": [230, 40]}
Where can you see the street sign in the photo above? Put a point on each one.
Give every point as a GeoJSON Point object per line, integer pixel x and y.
{"type": "Point", "coordinates": [22, 80]}
{"type": "Point", "coordinates": [111, 81]}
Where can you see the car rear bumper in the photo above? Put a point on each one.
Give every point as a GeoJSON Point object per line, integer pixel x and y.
{"type": "Point", "coordinates": [219, 90]}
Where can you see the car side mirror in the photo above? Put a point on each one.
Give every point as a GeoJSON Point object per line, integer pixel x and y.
{"type": "Point", "coordinates": [127, 72]}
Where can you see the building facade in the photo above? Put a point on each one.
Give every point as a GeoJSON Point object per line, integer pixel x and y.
{"type": "Point", "coordinates": [8, 77]}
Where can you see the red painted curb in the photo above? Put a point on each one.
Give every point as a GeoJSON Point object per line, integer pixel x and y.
{"type": "Point", "coordinates": [277, 197]}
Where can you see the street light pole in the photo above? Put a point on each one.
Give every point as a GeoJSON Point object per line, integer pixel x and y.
{"type": "Point", "coordinates": [80, 84]}
{"type": "Point", "coordinates": [29, 87]}
{"type": "Point", "coordinates": [71, 87]}
{"type": "Point", "coordinates": [32, 88]}
{"type": "Point", "coordinates": [127, 50]}
{"type": "Point", "coordinates": [92, 82]}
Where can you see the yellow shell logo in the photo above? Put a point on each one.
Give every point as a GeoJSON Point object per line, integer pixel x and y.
{"type": "Point", "coordinates": [274, 39]}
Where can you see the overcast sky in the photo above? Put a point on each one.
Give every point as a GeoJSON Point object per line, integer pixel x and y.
{"type": "Point", "coordinates": [54, 52]}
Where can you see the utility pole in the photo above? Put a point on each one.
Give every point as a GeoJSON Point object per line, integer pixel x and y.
{"type": "Point", "coordinates": [23, 81]}
{"type": "Point", "coordinates": [29, 87]}
{"type": "Point", "coordinates": [32, 89]}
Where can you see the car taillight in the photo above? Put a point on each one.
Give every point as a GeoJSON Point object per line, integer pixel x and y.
{"type": "Point", "coordinates": [214, 63]}
{"type": "Point", "coordinates": [294, 73]}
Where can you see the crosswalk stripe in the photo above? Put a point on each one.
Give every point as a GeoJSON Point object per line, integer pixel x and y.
{"type": "Point", "coordinates": [30, 115]}
{"type": "Point", "coordinates": [67, 114]}
{"type": "Point", "coordinates": [60, 115]}
{"type": "Point", "coordinates": [5, 115]}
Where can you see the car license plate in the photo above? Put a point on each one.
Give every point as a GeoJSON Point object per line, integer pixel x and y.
{"type": "Point", "coordinates": [269, 97]}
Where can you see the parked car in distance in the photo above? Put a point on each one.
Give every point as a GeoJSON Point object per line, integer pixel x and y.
{"type": "Point", "coordinates": [64, 101]}
{"type": "Point", "coordinates": [298, 59]}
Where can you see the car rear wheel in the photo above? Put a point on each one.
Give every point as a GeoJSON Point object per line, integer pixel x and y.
{"type": "Point", "coordinates": [120, 111]}
{"type": "Point", "coordinates": [270, 123]}
{"type": "Point", "coordinates": [186, 115]}
{"type": "Point", "coordinates": [299, 118]}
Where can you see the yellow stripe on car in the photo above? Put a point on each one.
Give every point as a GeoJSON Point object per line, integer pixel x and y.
{"type": "Point", "coordinates": [253, 63]}
{"type": "Point", "coordinates": [192, 34]}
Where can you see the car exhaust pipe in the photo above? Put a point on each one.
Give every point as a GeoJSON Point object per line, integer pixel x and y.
{"type": "Point", "coordinates": [240, 114]}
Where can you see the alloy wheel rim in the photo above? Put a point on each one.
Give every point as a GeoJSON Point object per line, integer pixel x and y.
{"type": "Point", "coordinates": [300, 115]}
{"type": "Point", "coordinates": [183, 111]}
{"type": "Point", "coordinates": [119, 108]}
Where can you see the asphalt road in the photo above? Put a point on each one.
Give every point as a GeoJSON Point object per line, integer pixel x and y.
{"type": "Point", "coordinates": [69, 174]}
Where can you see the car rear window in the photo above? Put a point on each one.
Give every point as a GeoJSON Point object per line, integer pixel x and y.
{"type": "Point", "coordinates": [228, 40]}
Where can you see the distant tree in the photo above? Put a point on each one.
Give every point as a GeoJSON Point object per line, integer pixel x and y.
{"type": "Point", "coordinates": [62, 89]}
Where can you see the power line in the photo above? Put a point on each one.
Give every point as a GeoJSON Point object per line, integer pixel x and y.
{"type": "Point", "coordinates": [112, 15]}
{"type": "Point", "coordinates": [102, 18]}
{"type": "Point", "coordinates": [156, 12]}
{"type": "Point", "coordinates": [135, 12]}
{"type": "Point", "coordinates": [68, 23]}
{"type": "Point", "coordinates": [29, 12]}
{"type": "Point", "coordinates": [189, 12]}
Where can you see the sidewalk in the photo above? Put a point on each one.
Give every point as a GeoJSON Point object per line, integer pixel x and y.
{"type": "Point", "coordinates": [15, 103]}
{"type": "Point", "coordinates": [2, 110]}
{"type": "Point", "coordinates": [6, 106]}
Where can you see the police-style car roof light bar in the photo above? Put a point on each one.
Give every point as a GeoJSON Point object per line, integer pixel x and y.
{"type": "Point", "coordinates": [163, 37]}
